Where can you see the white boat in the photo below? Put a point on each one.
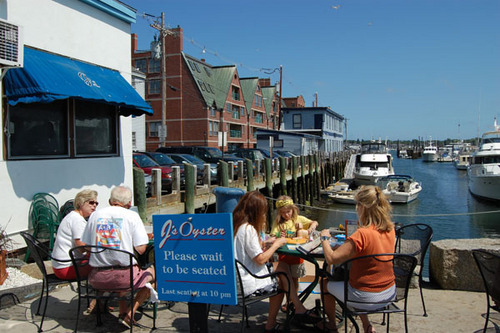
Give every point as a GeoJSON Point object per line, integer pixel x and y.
{"type": "Point", "coordinates": [484, 170]}
{"type": "Point", "coordinates": [344, 197]}
{"type": "Point", "coordinates": [430, 153]}
{"type": "Point", "coordinates": [372, 162]}
{"type": "Point", "coordinates": [400, 188]}
{"type": "Point", "coordinates": [462, 160]}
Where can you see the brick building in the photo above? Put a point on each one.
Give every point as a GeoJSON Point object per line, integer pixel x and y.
{"type": "Point", "coordinates": [205, 105]}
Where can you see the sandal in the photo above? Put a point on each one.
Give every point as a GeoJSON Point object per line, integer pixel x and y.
{"type": "Point", "coordinates": [308, 317]}
{"type": "Point", "coordinates": [320, 327]}
{"type": "Point", "coordinates": [124, 319]}
{"type": "Point", "coordinates": [275, 329]}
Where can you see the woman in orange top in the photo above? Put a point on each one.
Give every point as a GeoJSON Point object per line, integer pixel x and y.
{"type": "Point", "coordinates": [367, 280]}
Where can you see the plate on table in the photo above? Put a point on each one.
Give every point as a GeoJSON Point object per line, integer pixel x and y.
{"type": "Point", "coordinates": [296, 240]}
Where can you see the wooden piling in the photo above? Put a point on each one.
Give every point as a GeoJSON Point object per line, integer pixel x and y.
{"type": "Point", "coordinates": [283, 175]}
{"type": "Point", "coordinates": [190, 178]}
{"type": "Point", "coordinates": [250, 183]}
{"type": "Point", "coordinates": [223, 174]}
{"type": "Point", "coordinates": [294, 178]}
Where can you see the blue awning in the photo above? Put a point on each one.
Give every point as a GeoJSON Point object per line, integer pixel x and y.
{"type": "Point", "coordinates": [47, 77]}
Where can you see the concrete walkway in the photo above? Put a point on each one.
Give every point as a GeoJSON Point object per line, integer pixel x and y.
{"type": "Point", "coordinates": [448, 311]}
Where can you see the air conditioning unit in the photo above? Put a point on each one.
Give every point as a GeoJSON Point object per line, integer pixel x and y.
{"type": "Point", "coordinates": [11, 44]}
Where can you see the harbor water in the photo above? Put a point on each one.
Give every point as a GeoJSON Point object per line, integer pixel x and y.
{"type": "Point", "coordinates": [444, 203]}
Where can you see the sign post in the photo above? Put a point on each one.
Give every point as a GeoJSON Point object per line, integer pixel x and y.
{"type": "Point", "coordinates": [194, 258]}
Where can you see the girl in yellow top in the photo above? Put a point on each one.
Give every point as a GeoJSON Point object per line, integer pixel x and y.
{"type": "Point", "coordinates": [288, 223]}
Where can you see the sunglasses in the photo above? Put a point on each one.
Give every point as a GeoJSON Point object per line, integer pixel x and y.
{"type": "Point", "coordinates": [92, 202]}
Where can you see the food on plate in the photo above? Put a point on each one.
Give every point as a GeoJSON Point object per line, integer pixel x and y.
{"type": "Point", "coordinates": [296, 240]}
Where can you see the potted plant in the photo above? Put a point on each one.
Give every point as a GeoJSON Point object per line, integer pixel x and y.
{"type": "Point", "coordinates": [5, 245]}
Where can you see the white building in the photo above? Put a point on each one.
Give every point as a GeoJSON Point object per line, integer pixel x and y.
{"type": "Point", "coordinates": [64, 127]}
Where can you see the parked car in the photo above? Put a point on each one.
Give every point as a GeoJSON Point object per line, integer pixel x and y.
{"type": "Point", "coordinates": [164, 160]}
{"type": "Point", "coordinates": [186, 158]}
{"type": "Point", "coordinates": [207, 154]}
{"type": "Point", "coordinates": [284, 153]}
{"type": "Point", "coordinates": [147, 164]}
{"type": "Point", "coordinates": [253, 154]}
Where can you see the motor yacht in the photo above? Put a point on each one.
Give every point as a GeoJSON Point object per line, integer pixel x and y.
{"type": "Point", "coordinates": [484, 171]}
{"type": "Point", "coordinates": [430, 153]}
{"type": "Point", "coordinates": [400, 188]}
{"type": "Point", "coordinates": [372, 162]}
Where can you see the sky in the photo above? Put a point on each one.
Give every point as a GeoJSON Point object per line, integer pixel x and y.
{"type": "Point", "coordinates": [395, 69]}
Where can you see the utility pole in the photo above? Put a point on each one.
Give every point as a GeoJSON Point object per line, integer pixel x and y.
{"type": "Point", "coordinates": [280, 116]}
{"type": "Point", "coordinates": [163, 32]}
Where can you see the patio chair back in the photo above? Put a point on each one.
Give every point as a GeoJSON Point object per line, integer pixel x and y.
{"type": "Point", "coordinates": [39, 252]}
{"type": "Point", "coordinates": [244, 302]}
{"type": "Point", "coordinates": [126, 293]}
{"type": "Point", "coordinates": [400, 266]}
{"type": "Point", "coordinates": [489, 267]}
{"type": "Point", "coordinates": [414, 239]}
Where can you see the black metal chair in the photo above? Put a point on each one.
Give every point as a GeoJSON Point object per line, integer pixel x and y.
{"type": "Point", "coordinates": [489, 267]}
{"type": "Point", "coordinates": [244, 302]}
{"type": "Point", "coordinates": [414, 239]}
{"type": "Point", "coordinates": [403, 266]}
{"type": "Point", "coordinates": [120, 294]}
{"type": "Point", "coordinates": [39, 252]}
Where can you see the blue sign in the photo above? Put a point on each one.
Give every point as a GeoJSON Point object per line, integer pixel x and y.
{"type": "Point", "coordinates": [194, 258]}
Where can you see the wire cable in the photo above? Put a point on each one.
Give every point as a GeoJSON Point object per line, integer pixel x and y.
{"type": "Point", "coordinates": [396, 215]}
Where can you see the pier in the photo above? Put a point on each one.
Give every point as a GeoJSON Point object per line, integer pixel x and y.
{"type": "Point", "coordinates": [301, 177]}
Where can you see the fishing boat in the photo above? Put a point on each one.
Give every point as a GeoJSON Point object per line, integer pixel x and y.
{"type": "Point", "coordinates": [462, 160]}
{"type": "Point", "coordinates": [430, 153]}
{"type": "Point", "coordinates": [372, 162]}
{"type": "Point", "coordinates": [484, 170]}
{"type": "Point", "coordinates": [400, 188]}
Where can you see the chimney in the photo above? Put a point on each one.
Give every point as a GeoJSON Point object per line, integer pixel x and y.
{"type": "Point", "coordinates": [173, 42]}
{"type": "Point", "coordinates": [134, 43]}
{"type": "Point", "coordinates": [265, 82]}
{"type": "Point", "coordinates": [202, 60]}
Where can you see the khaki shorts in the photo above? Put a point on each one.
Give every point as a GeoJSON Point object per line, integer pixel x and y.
{"type": "Point", "coordinates": [298, 270]}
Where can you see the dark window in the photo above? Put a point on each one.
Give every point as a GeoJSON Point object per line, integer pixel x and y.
{"type": "Point", "coordinates": [142, 65]}
{"type": "Point", "coordinates": [297, 121]}
{"type": "Point", "coordinates": [95, 129]}
{"type": "Point", "coordinates": [39, 130]}
{"type": "Point", "coordinates": [154, 65]}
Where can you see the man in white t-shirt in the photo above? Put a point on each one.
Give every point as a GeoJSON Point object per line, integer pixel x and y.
{"type": "Point", "coordinates": [119, 228]}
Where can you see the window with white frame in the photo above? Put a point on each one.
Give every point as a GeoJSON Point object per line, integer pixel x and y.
{"type": "Point", "coordinates": [154, 86]}
{"type": "Point", "coordinates": [154, 129]}
{"type": "Point", "coordinates": [236, 111]}
{"type": "Point", "coordinates": [154, 65]}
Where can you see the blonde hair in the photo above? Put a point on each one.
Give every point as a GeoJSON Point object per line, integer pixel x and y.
{"type": "Point", "coordinates": [374, 208]}
{"type": "Point", "coordinates": [285, 202]}
{"type": "Point", "coordinates": [84, 196]}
